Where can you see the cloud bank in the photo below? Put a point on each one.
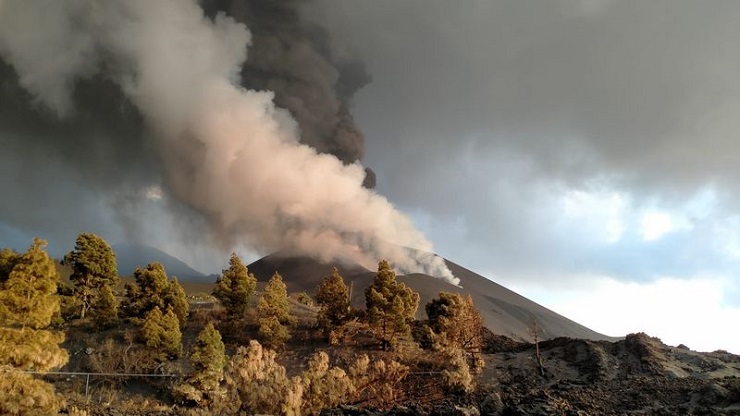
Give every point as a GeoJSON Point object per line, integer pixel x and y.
{"type": "Point", "coordinates": [513, 107]}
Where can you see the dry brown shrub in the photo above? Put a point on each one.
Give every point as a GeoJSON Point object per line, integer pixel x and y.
{"type": "Point", "coordinates": [201, 317]}
{"type": "Point", "coordinates": [324, 387]}
{"type": "Point", "coordinates": [113, 357]}
{"type": "Point", "coordinates": [377, 380]}
{"type": "Point", "coordinates": [259, 384]}
{"type": "Point", "coordinates": [23, 394]}
{"type": "Point", "coordinates": [75, 411]}
{"type": "Point", "coordinates": [458, 378]}
{"type": "Point", "coordinates": [126, 403]}
{"type": "Point", "coordinates": [32, 349]}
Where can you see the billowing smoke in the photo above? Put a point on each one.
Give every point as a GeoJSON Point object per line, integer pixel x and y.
{"type": "Point", "coordinates": [291, 59]}
{"type": "Point", "coordinates": [227, 152]}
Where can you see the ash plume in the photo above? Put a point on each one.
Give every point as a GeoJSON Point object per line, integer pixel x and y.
{"type": "Point", "coordinates": [232, 154]}
{"type": "Point", "coordinates": [292, 59]}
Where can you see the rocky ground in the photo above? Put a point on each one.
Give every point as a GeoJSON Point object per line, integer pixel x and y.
{"type": "Point", "coordinates": [638, 375]}
{"type": "Point", "coordinates": [635, 376]}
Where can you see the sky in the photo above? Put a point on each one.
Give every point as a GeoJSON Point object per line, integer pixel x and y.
{"type": "Point", "coordinates": [584, 153]}
{"type": "Point", "coordinates": [581, 152]}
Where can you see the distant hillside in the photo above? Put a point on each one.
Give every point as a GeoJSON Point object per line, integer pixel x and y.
{"type": "Point", "coordinates": [504, 311]}
{"type": "Point", "coordinates": [131, 256]}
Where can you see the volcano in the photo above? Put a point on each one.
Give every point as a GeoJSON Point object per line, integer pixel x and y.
{"type": "Point", "coordinates": [504, 311]}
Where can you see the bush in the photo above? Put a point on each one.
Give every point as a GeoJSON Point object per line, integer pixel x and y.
{"type": "Point", "coordinates": [376, 380]}
{"type": "Point", "coordinates": [115, 357]}
{"type": "Point", "coordinates": [324, 387]}
{"type": "Point", "coordinates": [272, 332]}
{"type": "Point", "coordinates": [303, 298]}
{"type": "Point", "coordinates": [458, 379]}
{"type": "Point", "coordinates": [258, 384]}
{"type": "Point", "coordinates": [22, 394]}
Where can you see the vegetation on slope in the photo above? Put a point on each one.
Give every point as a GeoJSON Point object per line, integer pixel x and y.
{"type": "Point", "coordinates": [162, 352]}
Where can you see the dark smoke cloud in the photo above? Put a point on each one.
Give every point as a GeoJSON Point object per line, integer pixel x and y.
{"type": "Point", "coordinates": [143, 102]}
{"type": "Point", "coordinates": [93, 148]}
{"type": "Point", "coordinates": [292, 59]}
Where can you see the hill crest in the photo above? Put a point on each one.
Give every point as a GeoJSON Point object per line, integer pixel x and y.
{"type": "Point", "coordinates": [504, 311]}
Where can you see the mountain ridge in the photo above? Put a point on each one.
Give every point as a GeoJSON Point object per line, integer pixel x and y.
{"type": "Point", "coordinates": [132, 256]}
{"type": "Point", "coordinates": [504, 311]}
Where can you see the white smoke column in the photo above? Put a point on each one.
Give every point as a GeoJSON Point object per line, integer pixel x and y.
{"type": "Point", "coordinates": [228, 152]}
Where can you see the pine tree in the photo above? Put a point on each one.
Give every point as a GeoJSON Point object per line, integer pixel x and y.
{"type": "Point", "coordinates": [175, 299]}
{"type": "Point", "coordinates": [333, 298]}
{"type": "Point", "coordinates": [28, 302]}
{"type": "Point", "coordinates": [22, 394]}
{"type": "Point", "coordinates": [105, 310]}
{"type": "Point", "coordinates": [162, 333]}
{"type": "Point", "coordinates": [391, 306]}
{"type": "Point", "coordinates": [455, 322]}
{"type": "Point", "coordinates": [274, 301]}
{"type": "Point", "coordinates": [8, 259]}
{"type": "Point", "coordinates": [274, 314]}
{"type": "Point", "coordinates": [273, 333]}
{"type": "Point", "coordinates": [28, 298]}
{"type": "Point", "coordinates": [235, 287]}
{"type": "Point", "coordinates": [208, 360]}
{"type": "Point", "coordinates": [152, 289]}
{"type": "Point", "coordinates": [147, 292]}
{"type": "Point", "coordinates": [93, 267]}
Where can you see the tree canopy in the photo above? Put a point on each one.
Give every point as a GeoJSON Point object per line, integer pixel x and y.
{"type": "Point", "coordinates": [28, 301]}
{"type": "Point", "coordinates": [28, 296]}
{"type": "Point", "coordinates": [208, 360]}
{"type": "Point", "coordinates": [391, 305]}
{"type": "Point", "coordinates": [235, 287]}
{"type": "Point", "coordinates": [455, 322]}
{"type": "Point", "coordinates": [162, 332]}
{"type": "Point", "coordinates": [333, 298]}
{"type": "Point", "coordinates": [274, 313]}
{"type": "Point", "coordinates": [152, 289]}
{"type": "Point", "coordinates": [94, 266]}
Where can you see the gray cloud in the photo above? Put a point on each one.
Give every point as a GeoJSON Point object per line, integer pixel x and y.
{"type": "Point", "coordinates": [483, 115]}
{"type": "Point", "coordinates": [480, 118]}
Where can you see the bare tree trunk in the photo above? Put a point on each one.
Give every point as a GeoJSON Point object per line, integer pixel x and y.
{"type": "Point", "coordinates": [535, 334]}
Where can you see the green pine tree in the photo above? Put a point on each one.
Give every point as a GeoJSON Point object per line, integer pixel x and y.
{"type": "Point", "coordinates": [152, 289]}
{"type": "Point", "coordinates": [333, 298]}
{"type": "Point", "coordinates": [8, 259]}
{"type": "Point", "coordinates": [147, 292]}
{"type": "Point", "coordinates": [175, 299]}
{"type": "Point", "coordinates": [235, 287]}
{"type": "Point", "coordinates": [93, 267]}
{"type": "Point", "coordinates": [28, 301]}
{"type": "Point", "coordinates": [105, 310]}
{"type": "Point", "coordinates": [162, 333]}
{"type": "Point", "coordinates": [28, 298]}
{"type": "Point", "coordinates": [208, 360]}
{"type": "Point", "coordinates": [391, 306]}
{"type": "Point", "coordinates": [455, 323]}
{"type": "Point", "coordinates": [273, 311]}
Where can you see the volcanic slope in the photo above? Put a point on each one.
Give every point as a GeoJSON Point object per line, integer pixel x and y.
{"type": "Point", "coordinates": [504, 311]}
